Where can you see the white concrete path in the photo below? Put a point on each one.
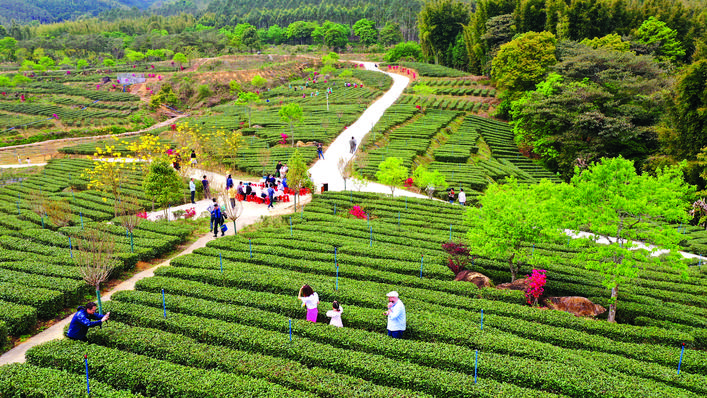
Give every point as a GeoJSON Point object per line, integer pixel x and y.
{"type": "Point", "coordinates": [327, 170]}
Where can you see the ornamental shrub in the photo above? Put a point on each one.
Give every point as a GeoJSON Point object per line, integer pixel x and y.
{"type": "Point", "coordinates": [358, 212]}
{"type": "Point", "coordinates": [536, 288]}
{"type": "Point", "coordinates": [458, 256]}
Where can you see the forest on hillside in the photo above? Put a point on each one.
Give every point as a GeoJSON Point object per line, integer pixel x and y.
{"type": "Point", "coordinates": [578, 79]}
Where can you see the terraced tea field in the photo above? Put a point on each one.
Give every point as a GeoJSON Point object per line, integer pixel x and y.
{"type": "Point", "coordinates": [224, 328]}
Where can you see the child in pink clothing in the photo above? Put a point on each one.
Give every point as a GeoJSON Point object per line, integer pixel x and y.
{"type": "Point", "coordinates": [310, 300]}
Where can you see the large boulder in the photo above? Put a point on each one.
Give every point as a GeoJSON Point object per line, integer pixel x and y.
{"type": "Point", "coordinates": [476, 278]}
{"type": "Point", "coordinates": [518, 284]}
{"type": "Point", "coordinates": [578, 306]}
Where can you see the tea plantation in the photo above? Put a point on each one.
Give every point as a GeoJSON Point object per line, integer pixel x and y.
{"type": "Point", "coordinates": [39, 276]}
{"type": "Point", "coordinates": [224, 328]}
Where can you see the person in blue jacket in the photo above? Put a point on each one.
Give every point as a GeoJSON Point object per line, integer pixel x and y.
{"type": "Point", "coordinates": [85, 317]}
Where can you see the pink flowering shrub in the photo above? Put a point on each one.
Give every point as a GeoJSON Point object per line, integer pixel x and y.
{"type": "Point", "coordinates": [142, 214]}
{"type": "Point", "coordinates": [408, 183]}
{"type": "Point", "coordinates": [190, 213]}
{"type": "Point", "coordinates": [537, 281]}
{"type": "Point", "coordinates": [284, 138]}
{"type": "Point", "coordinates": [358, 212]}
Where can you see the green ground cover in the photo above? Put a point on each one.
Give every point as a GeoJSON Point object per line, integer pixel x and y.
{"type": "Point", "coordinates": [229, 307]}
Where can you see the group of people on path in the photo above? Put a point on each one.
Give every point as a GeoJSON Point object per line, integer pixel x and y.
{"type": "Point", "coordinates": [397, 320]}
{"type": "Point", "coordinates": [462, 196]}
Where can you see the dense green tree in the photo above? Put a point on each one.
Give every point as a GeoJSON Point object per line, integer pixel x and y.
{"type": "Point", "coordinates": [440, 22]}
{"type": "Point", "coordinates": [8, 45]}
{"type": "Point", "coordinates": [664, 42]}
{"type": "Point", "coordinates": [598, 103]}
{"type": "Point", "coordinates": [522, 63]}
{"type": "Point", "coordinates": [391, 33]}
{"type": "Point", "coordinates": [530, 15]}
{"type": "Point", "coordinates": [298, 174]}
{"type": "Point", "coordinates": [292, 115]}
{"type": "Point", "coordinates": [611, 42]}
{"type": "Point", "coordinates": [134, 56]}
{"type": "Point", "coordinates": [617, 204]}
{"type": "Point", "coordinates": [686, 134]}
{"type": "Point", "coordinates": [276, 34]}
{"type": "Point", "coordinates": [47, 62]}
{"type": "Point", "coordinates": [250, 39]}
{"type": "Point", "coordinates": [162, 183]}
{"type": "Point", "coordinates": [392, 173]}
{"type": "Point", "coordinates": [81, 64]}
{"type": "Point", "coordinates": [366, 30]}
{"type": "Point", "coordinates": [300, 31]}
{"type": "Point", "coordinates": [512, 217]}
{"type": "Point", "coordinates": [247, 99]}
{"type": "Point", "coordinates": [404, 51]}
{"type": "Point", "coordinates": [180, 59]}
{"type": "Point", "coordinates": [429, 181]}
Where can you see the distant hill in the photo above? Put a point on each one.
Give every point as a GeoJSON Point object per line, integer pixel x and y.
{"type": "Point", "coordinates": [48, 11]}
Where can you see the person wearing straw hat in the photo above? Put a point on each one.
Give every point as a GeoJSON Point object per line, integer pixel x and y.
{"type": "Point", "coordinates": [396, 316]}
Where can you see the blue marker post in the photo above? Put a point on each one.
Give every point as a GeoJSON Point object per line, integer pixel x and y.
{"type": "Point", "coordinates": [370, 242]}
{"type": "Point", "coordinates": [290, 329]}
{"type": "Point", "coordinates": [164, 305]}
{"type": "Point", "coordinates": [132, 249]}
{"type": "Point", "coordinates": [682, 350]}
{"type": "Point", "coordinates": [81, 216]}
{"type": "Point", "coordinates": [334, 208]}
{"type": "Point", "coordinates": [368, 220]}
{"type": "Point", "coordinates": [72, 194]}
{"type": "Point", "coordinates": [250, 244]}
{"type": "Point", "coordinates": [337, 277]}
{"type": "Point", "coordinates": [476, 365]}
{"type": "Point", "coordinates": [335, 262]}
{"type": "Point", "coordinates": [482, 319]}
{"type": "Point", "coordinates": [532, 252]}
{"type": "Point", "coordinates": [18, 207]}
{"type": "Point", "coordinates": [422, 262]}
{"type": "Point", "coordinates": [568, 240]}
{"type": "Point", "coordinates": [85, 361]}
{"type": "Point", "coordinates": [290, 226]}
{"type": "Point", "coordinates": [71, 251]}
{"type": "Point", "coordinates": [450, 232]}
{"type": "Point", "coordinates": [220, 260]}
{"type": "Point", "coordinates": [398, 220]}
{"type": "Point", "coordinates": [42, 221]}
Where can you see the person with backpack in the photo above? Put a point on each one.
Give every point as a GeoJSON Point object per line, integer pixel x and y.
{"type": "Point", "coordinates": [218, 218]}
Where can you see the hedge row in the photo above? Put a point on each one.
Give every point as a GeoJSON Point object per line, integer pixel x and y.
{"type": "Point", "coordinates": [18, 318]}
{"type": "Point", "coordinates": [29, 381]}
{"type": "Point", "coordinates": [372, 367]}
{"type": "Point", "coordinates": [149, 376]}
{"type": "Point", "coordinates": [564, 378]}
{"type": "Point", "coordinates": [186, 351]}
{"type": "Point", "coordinates": [369, 294]}
{"type": "Point", "coordinates": [47, 302]}
{"type": "Point", "coordinates": [423, 327]}
{"type": "Point", "coordinates": [71, 289]}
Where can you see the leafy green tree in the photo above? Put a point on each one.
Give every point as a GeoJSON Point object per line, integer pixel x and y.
{"type": "Point", "coordinates": [622, 207]}
{"type": "Point", "coordinates": [523, 62]}
{"type": "Point", "coordinates": [291, 114]}
{"type": "Point", "coordinates": [611, 42]}
{"type": "Point", "coordinates": [510, 219]}
{"type": "Point", "coordinates": [28, 65]}
{"type": "Point", "coordinates": [298, 174]}
{"type": "Point", "coordinates": [134, 56]}
{"type": "Point", "coordinates": [162, 183]}
{"type": "Point", "coordinates": [366, 30]}
{"type": "Point", "coordinates": [687, 133]}
{"type": "Point", "coordinates": [250, 39]}
{"type": "Point", "coordinates": [166, 95]}
{"type": "Point", "coordinates": [247, 99]}
{"type": "Point", "coordinates": [47, 62]}
{"type": "Point", "coordinates": [109, 63]}
{"type": "Point", "coordinates": [300, 31]}
{"type": "Point", "coordinates": [439, 23]}
{"type": "Point", "coordinates": [429, 180]}
{"type": "Point", "coordinates": [392, 173]}
{"type": "Point", "coordinates": [404, 51]}
{"type": "Point", "coordinates": [258, 81]}
{"type": "Point", "coordinates": [180, 59]}
{"type": "Point", "coordinates": [391, 33]}
{"type": "Point", "coordinates": [8, 45]}
{"type": "Point", "coordinates": [276, 34]}
{"type": "Point", "coordinates": [656, 33]}
{"type": "Point", "coordinates": [334, 35]}
{"type": "Point", "coordinates": [597, 103]}
{"type": "Point", "coordinates": [234, 87]}
{"type": "Point", "coordinates": [81, 64]}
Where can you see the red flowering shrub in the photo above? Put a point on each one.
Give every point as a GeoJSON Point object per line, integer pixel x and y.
{"type": "Point", "coordinates": [284, 138]}
{"type": "Point", "coordinates": [458, 256]}
{"type": "Point", "coordinates": [358, 212]}
{"type": "Point", "coordinates": [190, 213]}
{"type": "Point", "coordinates": [409, 182]}
{"type": "Point", "coordinates": [537, 283]}
{"type": "Point", "coordinates": [142, 214]}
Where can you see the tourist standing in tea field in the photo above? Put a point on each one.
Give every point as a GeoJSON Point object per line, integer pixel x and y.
{"type": "Point", "coordinates": [462, 197]}
{"type": "Point", "coordinates": [217, 217]}
{"type": "Point", "coordinates": [193, 157]}
{"type": "Point", "coordinates": [451, 195]}
{"type": "Point", "coordinates": [207, 191]}
{"type": "Point", "coordinates": [229, 182]}
{"type": "Point", "coordinates": [396, 316]}
{"type": "Point", "coordinates": [310, 300]}
{"type": "Point", "coordinates": [352, 144]}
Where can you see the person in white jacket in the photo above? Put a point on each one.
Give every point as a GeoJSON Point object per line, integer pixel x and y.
{"type": "Point", "coordinates": [335, 315]}
{"type": "Point", "coordinates": [462, 197]}
{"type": "Point", "coordinates": [396, 316]}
